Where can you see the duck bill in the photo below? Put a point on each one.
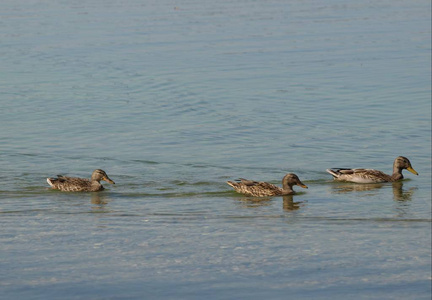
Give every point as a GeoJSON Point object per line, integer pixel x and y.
{"type": "Point", "coordinates": [107, 179]}
{"type": "Point", "coordinates": [301, 184]}
{"type": "Point", "coordinates": [412, 170]}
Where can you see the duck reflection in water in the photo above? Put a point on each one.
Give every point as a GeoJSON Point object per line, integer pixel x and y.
{"type": "Point", "coordinates": [399, 194]}
{"type": "Point", "coordinates": [288, 203]}
{"type": "Point", "coordinates": [353, 187]}
{"type": "Point", "coordinates": [255, 201]}
{"type": "Point", "coordinates": [99, 200]}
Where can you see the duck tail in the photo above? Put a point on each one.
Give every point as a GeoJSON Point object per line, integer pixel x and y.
{"type": "Point", "coordinates": [51, 181]}
{"type": "Point", "coordinates": [232, 183]}
{"type": "Point", "coordinates": [334, 172]}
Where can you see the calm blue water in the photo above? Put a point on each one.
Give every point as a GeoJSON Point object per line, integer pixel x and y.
{"type": "Point", "coordinates": [172, 99]}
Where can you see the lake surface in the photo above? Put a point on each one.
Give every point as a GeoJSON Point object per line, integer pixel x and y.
{"type": "Point", "coordinates": [172, 99]}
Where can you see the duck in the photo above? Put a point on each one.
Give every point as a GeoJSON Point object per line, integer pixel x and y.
{"type": "Point", "coordinates": [371, 175]}
{"type": "Point", "coordinates": [265, 189]}
{"type": "Point", "coordinates": [75, 184]}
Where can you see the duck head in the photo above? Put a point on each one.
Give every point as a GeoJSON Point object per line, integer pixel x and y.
{"type": "Point", "coordinates": [401, 163]}
{"type": "Point", "coordinates": [99, 175]}
{"type": "Point", "coordinates": [291, 179]}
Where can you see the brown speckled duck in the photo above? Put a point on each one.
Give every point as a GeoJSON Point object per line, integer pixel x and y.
{"type": "Point", "coordinates": [373, 176]}
{"type": "Point", "coordinates": [265, 189]}
{"type": "Point", "coordinates": [75, 184]}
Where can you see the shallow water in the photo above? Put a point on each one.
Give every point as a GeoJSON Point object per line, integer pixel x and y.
{"type": "Point", "coordinates": [172, 100]}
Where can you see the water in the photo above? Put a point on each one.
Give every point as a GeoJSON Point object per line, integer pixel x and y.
{"type": "Point", "coordinates": [173, 99]}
